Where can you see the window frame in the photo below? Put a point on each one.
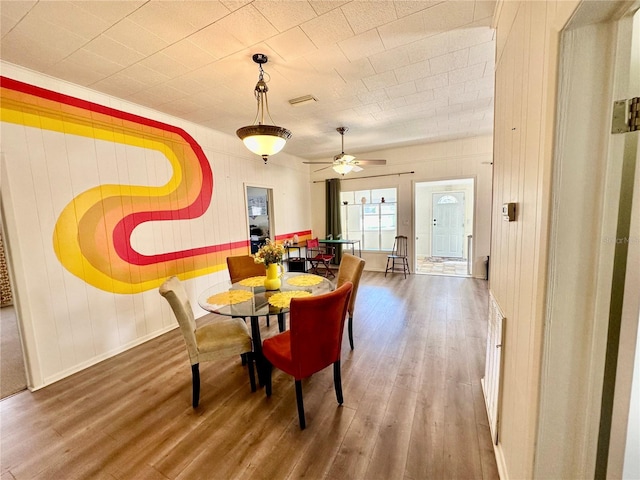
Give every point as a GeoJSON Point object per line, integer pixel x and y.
{"type": "Point", "coordinates": [355, 197]}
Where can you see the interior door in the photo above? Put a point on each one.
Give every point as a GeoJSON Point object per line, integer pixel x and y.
{"type": "Point", "coordinates": [259, 216]}
{"type": "Point", "coordinates": [448, 224]}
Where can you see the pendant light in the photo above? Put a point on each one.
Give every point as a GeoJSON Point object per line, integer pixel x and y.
{"type": "Point", "coordinates": [261, 139]}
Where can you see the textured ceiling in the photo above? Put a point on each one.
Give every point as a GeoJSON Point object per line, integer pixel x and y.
{"type": "Point", "coordinates": [394, 72]}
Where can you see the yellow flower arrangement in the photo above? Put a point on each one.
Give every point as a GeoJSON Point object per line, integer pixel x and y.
{"type": "Point", "coordinates": [270, 252]}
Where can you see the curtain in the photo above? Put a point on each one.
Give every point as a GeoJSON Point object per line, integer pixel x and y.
{"type": "Point", "coordinates": [333, 214]}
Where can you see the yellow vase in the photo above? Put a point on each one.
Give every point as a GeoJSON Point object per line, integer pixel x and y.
{"type": "Point", "coordinates": [272, 281]}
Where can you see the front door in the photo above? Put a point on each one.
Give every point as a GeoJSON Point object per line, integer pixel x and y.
{"type": "Point", "coordinates": [448, 224]}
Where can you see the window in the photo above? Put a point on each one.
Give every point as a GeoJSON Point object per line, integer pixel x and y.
{"type": "Point", "coordinates": [370, 216]}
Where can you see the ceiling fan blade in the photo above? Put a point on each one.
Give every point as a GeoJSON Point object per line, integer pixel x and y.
{"type": "Point", "coordinates": [320, 169]}
{"type": "Point", "coordinates": [370, 162]}
{"type": "Point", "coordinates": [357, 169]}
{"type": "Point", "coordinates": [318, 163]}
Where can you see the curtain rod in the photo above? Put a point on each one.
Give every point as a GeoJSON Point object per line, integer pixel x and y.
{"type": "Point", "coordinates": [370, 176]}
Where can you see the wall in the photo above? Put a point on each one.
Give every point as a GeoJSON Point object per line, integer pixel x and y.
{"type": "Point", "coordinates": [526, 73]}
{"type": "Point", "coordinates": [463, 158]}
{"type": "Point", "coordinates": [102, 200]}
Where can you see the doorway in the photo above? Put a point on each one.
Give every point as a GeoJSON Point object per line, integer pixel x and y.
{"type": "Point", "coordinates": [259, 216]}
{"type": "Point", "coordinates": [13, 378]}
{"type": "Point", "coordinates": [444, 226]}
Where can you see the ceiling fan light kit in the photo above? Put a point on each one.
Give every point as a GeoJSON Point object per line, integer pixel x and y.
{"type": "Point", "coordinates": [261, 139]}
{"type": "Point", "coordinates": [344, 163]}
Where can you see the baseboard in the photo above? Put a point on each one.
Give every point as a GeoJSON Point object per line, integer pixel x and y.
{"type": "Point", "coordinates": [99, 358]}
{"type": "Point", "coordinates": [502, 468]}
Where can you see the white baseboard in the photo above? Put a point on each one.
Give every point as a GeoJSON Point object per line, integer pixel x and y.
{"type": "Point", "coordinates": [104, 356]}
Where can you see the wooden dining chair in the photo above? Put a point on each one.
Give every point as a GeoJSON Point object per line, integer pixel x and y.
{"type": "Point", "coordinates": [312, 343]}
{"type": "Point", "coordinates": [244, 266]}
{"type": "Point", "coordinates": [350, 270]}
{"type": "Point", "coordinates": [320, 255]}
{"type": "Point", "coordinates": [399, 254]}
{"type": "Point", "coordinates": [223, 337]}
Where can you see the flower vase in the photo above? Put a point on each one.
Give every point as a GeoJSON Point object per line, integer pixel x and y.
{"type": "Point", "coordinates": [272, 282]}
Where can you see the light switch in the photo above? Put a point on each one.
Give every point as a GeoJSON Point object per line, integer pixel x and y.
{"type": "Point", "coordinates": [509, 212]}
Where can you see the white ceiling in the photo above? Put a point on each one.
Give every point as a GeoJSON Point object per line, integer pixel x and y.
{"type": "Point", "coordinates": [394, 72]}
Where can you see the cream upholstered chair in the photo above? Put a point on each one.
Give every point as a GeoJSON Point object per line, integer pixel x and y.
{"type": "Point", "coordinates": [219, 339]}
{"type": "Point", "coordinates": [350, 270]}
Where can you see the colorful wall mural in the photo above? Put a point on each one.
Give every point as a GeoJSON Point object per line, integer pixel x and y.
{"type": "Point", "coordinates": [103, 199]}
{"type": "Point", "coordinates": [92, 237]}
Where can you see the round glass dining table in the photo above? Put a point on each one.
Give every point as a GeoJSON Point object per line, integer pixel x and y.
{"type": "Point", "coordinates": [249, 298]}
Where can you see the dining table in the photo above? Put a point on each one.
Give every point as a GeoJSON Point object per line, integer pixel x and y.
{"type": "Point", "coordinates": [248, 298]}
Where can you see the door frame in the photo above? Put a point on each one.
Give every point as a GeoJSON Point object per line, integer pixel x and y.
{"type": "Point", "coordinates": [270, 211]}
{"type": "Point", "coordinates": [579, 294]}
{"type": "Point", "coordinates": [444, 180]}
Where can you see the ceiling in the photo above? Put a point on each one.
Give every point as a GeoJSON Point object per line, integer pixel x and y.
{"type": "Point", "coordinates": [394, 72]}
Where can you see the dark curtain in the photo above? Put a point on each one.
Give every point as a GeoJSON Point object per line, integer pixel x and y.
{"type": "Point", "coordinates": [333, 213]}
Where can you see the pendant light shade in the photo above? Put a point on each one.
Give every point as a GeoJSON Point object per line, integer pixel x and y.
{"type": "Point", "coordinates": [342, 168]}
{"type": "Point", "coordinates": [261, 139]}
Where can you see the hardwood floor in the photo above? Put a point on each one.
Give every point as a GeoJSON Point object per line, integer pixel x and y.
{"type": "Point", "coordinates": [413, 406]}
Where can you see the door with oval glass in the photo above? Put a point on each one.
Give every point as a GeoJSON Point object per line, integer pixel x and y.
{"type": "Point", "coordinates": [448, 224]}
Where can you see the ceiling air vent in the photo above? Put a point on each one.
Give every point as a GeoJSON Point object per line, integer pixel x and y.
{"type": "Point", "coordinates": [304, 100]}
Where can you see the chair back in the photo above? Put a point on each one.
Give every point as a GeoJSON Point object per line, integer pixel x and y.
{"type": "Point", "coordinates": [350, 270]}
{"type": "Point", "coordinates": [316, 325]}
{"type": "Point", "coordinates": [313, 243]}
{"type": "Point", "coordinates": [244, 266]}
{"type": "Point", "coordinates": [400, 246]}
{"type": "Point", "coordinates": [173, 290]}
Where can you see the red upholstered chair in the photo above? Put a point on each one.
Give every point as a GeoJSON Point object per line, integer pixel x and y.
{"type": "Point", "coordinates": [319, 255]}
{"type": "Point", "coordinates": [312, 343]}
{"type": "Point", "coordinates": [244, 266]}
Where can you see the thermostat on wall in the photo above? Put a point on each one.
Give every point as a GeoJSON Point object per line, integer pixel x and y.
{"type": "Point", "coordinates": [509, 212]}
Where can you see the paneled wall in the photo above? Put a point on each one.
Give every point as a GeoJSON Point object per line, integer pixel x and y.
{"type": "Point", "coordinates": [462, 158]}
{"type": "Point", "coordinates": [103, 200]}
{"type": "Point", "coordinates": [526, 71]}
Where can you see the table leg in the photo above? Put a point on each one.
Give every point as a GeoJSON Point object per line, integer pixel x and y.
{"type": "Point", "coordinates": [257, 350]}
{"type": "Point", "coordinates": [282, 326]}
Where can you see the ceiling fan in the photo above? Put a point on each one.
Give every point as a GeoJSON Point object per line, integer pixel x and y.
{"type": "Point", "coordinates": [344, 163]}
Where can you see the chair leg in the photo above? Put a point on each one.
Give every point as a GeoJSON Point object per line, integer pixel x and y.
{"type": "Point", "coordinates": [195, 380]}
{"type": "Point", "coordinates": [252, 375]}
{"type": "Point", "coordinates": [268, 321]}
{"type": "Point", "coordinates": [267, 381]}
{"type": "Point", "coordinates": [387, 268]}
{"type": "Point", "coordinates": [243, 357]}
{"type": "Point", "coordinates": [350, 326]}
{"type": "Point", "coordinates": [337, 381]}
{"type": "Point", "coordinates": [303, 424]}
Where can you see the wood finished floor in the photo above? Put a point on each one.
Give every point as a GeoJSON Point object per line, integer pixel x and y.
{"type": "Point", "coordinates": [413, 406]}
